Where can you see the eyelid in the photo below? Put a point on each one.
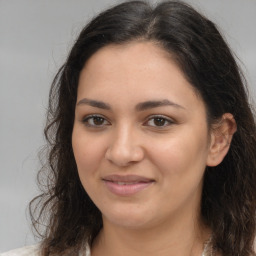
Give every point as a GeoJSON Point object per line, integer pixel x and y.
{"type": "Point", "coordinates": [168, 119]}
{"type": "Point", "coordinates": [88, 117]}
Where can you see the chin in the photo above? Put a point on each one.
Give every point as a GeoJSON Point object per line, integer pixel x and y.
{"type": "Point", "coordinates": [129, 218]}
{"type": "Point", "coordinates": [129, 223]}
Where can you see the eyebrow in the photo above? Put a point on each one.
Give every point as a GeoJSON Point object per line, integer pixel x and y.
{"type": "Point", "coordinates": [156, 103]}
{"type": "Point", "coordinates": [139, 107]}
{"type": "Point", "coordinates": [94, 103]}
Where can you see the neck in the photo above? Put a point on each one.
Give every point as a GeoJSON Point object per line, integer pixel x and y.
{"type": "Point", "coordinates": [184, 237]}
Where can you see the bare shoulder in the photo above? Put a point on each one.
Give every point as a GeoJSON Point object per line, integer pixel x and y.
{"type": "Point", "coordinates": [32, 250]}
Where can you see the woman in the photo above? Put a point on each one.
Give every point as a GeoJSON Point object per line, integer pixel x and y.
{"type": "Point", "coordinates": [152, 141]}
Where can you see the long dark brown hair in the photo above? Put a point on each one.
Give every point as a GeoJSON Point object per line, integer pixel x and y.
{"type": "Point", "coordinates": [68, 216]}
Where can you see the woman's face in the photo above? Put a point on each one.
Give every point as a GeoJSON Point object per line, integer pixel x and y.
{"type": "Point", "coordinates": [140, 136]}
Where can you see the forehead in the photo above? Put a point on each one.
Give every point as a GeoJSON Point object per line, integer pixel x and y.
{"type": "Point", "coordinates": [135, 71]}
{"type": "Point", "coordinates": [132, 54]}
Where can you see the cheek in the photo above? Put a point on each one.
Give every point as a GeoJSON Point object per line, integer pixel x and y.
{"type": "Point", "coordinates": [87, 157]}
{"type": "Point", "coordinates": [181, 154]}
{"type": "Point", "coordinates": [87, 153]}
{"type": "Point", "coordinates": [181, 163]}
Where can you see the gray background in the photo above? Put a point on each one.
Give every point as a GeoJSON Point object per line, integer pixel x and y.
{"type": "Point", "coordinates": [35, 37]}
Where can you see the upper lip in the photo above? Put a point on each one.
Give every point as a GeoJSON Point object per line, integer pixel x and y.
{"type": "Point", "coordinates": [126, 178]}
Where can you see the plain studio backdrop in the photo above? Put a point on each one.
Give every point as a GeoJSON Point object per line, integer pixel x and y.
{"type": "Point", "coordinates": [35, 38]}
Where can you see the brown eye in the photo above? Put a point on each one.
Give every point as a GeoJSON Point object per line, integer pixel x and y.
{"type": "Point", "coordinates": [98, 120]}
{"type": "Point", "coordinates": [95, 121]}
{"type": "Point", "coordinates": [159, 121]}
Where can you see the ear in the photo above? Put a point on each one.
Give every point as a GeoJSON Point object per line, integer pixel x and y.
{"type": "Point", "coordinates": [221, 137]}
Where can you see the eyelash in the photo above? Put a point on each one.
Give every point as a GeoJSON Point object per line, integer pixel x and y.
{"type": "Point", "coordinates": [87, 119]}
{"type": "Point", "coordinates": [166, 121]}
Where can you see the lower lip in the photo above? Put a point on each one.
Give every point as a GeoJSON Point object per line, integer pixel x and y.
{"type": "Point", "coordinates": [128, 189]}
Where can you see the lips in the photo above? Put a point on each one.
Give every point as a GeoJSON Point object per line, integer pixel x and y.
{"type": "Point", "coordinates": [126, 185]}
{"type": "Point", "coordinates": [124, 182]}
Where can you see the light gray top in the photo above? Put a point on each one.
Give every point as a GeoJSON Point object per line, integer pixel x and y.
{"type": "Point", "coordinates": [33, 250]}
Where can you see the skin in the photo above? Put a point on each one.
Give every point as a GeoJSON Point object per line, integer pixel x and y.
{"type": "Point", "coordinates": [170, 144]}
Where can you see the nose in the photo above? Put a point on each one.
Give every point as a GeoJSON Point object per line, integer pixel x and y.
{"type": "Point", "coordinates": [124, 149]}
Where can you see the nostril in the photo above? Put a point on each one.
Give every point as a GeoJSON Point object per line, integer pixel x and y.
{"type": "Point", "coordinates": [124, 156]}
